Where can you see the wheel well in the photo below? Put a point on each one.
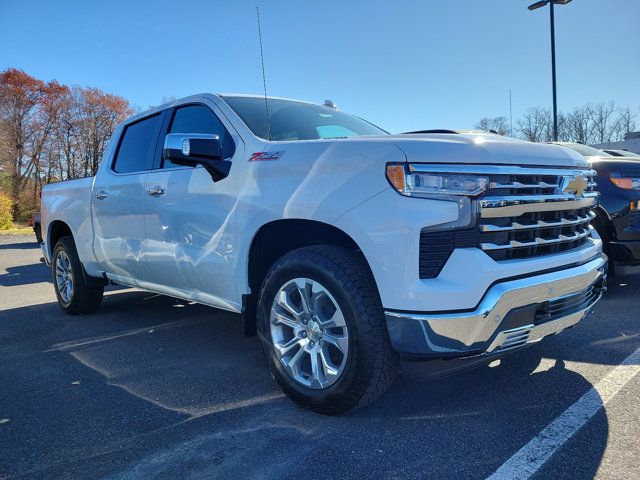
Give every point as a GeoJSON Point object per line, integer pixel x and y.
{"type": "Point", "coordinates": [57, 230]}
{"type": "Point", "coordinates": [274, 240]}
{"type": "Point", "coordinates": [603, 225]}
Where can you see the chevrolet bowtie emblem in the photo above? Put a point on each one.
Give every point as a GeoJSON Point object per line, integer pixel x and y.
{"type": "Point", "coordinates": [576, 184]}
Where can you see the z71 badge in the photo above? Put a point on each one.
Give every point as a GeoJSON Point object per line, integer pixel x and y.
{"type": "Point", "coordinates": [258, 156]}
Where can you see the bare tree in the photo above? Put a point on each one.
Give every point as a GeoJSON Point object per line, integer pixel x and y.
{"type": "Point", "coordinates": [100, 113]}
{"type": "Point", "coordinates": [40, 145]}
{"type": "Point", "coordinates": [536, 125]}
{"type": "Point", "coordinates": [500, 125]}
{"type": "Point", "coordinates": [602, 118]}
{"type": "Point", "coordinates": [66, 165]}
{"type": "Point", "coordinates": [580, 125]}
{"type": "Point", "coordinates": [588, 124]}
{"type": "Point", "coordinates": [623, 123]}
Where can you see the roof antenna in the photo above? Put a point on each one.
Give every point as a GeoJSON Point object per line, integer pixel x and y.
{"type": "Point", "coordinates": [264, 78]}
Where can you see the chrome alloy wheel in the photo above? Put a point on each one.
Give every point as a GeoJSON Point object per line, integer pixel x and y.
{"type": "Point", "coordinates": [64, 277]}
{"type": "Point", "coordinates": [309, 333]}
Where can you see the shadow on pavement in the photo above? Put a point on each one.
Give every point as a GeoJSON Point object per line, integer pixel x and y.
{"type": "Point", "coordinates": [154, 387]}
{"type": "Point", "coordinates": [20, 246]}
{"type": "Point", "coordinates": [25, 274]}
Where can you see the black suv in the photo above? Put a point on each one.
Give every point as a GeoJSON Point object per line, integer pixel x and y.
{"type": "Point", "coordinates": [618, 215]}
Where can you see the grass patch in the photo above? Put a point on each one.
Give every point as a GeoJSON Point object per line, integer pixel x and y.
{"type": "Point", "coordinates": [17, 230]}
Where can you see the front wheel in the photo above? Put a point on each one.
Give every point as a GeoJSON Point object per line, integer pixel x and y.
{"type": "Point", "coordinates": [77, 292]}
{"type": "Point", "coordinates": [323, 332]}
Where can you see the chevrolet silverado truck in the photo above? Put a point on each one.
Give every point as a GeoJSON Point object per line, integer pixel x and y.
{"type": "Point", "coordinates": [345, 248]}
{"type": "Point", "coordinates": [617, 218]}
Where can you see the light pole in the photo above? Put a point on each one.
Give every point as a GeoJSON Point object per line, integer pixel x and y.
{"type": "Point", "coordinates": [535, 6]}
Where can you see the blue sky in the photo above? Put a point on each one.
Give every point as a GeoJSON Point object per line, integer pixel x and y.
{"type": "Point", "coordinates": [401, 64]}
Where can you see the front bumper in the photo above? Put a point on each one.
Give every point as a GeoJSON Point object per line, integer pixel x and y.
{"type": "Point", "coordinates": [510, 315]}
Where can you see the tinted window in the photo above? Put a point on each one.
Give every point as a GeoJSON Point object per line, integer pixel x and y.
{"type": "Point", "coordinates": [137, 146]}
{"type": "Point", "coordinates": [291, 120]}
{"type": "Point", "coordinates": [200, 119]}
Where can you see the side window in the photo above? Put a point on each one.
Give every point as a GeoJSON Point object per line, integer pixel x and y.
{"type": "Point", "coordinates": [135, 153]}
{"type": "Point", "coordinates": [200, 119]}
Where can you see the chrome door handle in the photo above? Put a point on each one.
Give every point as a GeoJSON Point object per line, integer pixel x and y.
{"type": "Point", "coordinates": [101, 195]}
{"type": "Point", "coordinates": [155, 191]}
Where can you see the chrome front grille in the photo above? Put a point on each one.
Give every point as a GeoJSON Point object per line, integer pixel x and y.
{"type": "Point", "coordinates": [560, 222]}
{"type": "Point", "coordinates": [526, 215]}
{"type": "Point", "coordinates": [526, 212]}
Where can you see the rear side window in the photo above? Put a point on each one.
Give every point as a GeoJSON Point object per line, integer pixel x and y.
{"type": "Point", "coordinates": [137, 146]}
{"type": "Point", "coordinates": [200, 119]}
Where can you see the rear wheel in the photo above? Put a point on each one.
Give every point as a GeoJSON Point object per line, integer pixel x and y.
{"type": "Point", "coordinates": [323, 332]}
{"type": "Point", "coordinates": [77, 293]}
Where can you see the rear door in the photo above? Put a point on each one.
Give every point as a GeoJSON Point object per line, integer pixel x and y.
{"type": "Point", "coordinates": [118, 206]}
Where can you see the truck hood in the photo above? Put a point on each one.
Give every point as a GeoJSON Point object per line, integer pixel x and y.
{"type": "Point", "coordinates": [483, 149]}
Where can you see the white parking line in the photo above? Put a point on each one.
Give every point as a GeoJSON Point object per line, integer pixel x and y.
{"type": "Point", "coordinates": [534, 454]}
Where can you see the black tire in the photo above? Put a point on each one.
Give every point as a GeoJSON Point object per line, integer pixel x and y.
{"type": "Point", "coordinates": [38, 231]}
{"type": "Point", "coordinates": [87, 291]}
{"type": "Point", "coordinates": [371, 363]}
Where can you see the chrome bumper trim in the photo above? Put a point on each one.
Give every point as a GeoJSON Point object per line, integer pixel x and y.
{"type": "Point", "coordinates": [480, 330]}
{"type": "Point", "coordinates": [521, 336]}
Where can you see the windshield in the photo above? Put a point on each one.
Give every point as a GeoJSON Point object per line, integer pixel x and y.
{"type": "Point", "coordinates": [585, 150]}
{"type": "Point", "coordinates": [291, 120]}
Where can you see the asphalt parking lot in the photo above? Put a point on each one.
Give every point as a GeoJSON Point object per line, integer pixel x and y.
{"type": "Point", "coordinates": [150, 387]}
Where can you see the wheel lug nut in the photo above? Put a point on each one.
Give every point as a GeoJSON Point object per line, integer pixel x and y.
{"type": "Point", "coordinates": [304, 334]}
{"type": "Point", "coordinates": [305, 321]}
{"type": "Point", "coordinates": [312, 344]}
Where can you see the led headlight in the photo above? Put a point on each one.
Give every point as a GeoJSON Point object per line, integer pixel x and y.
{"type": "Point", "coordinates": [413, 183]}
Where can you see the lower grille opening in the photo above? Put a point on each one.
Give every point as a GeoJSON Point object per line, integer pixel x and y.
{"type": "Point", "coordinates": [515, 339]}
{"type": "Point", "coordinates": [561, 307]}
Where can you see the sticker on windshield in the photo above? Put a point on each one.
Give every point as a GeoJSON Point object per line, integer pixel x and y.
{"type": "Point", "coordinates": [258, 156]}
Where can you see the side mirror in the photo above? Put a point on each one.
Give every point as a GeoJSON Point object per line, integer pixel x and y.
{"type": "Point", "coordinates": [191, 149]}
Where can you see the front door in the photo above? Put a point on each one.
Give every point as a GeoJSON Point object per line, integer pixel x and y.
{"type": "Point", "coordinates": [188, 243]}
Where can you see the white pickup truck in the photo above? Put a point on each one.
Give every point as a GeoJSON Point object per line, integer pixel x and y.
{"type": "Point", "coordinates": [344, 247]}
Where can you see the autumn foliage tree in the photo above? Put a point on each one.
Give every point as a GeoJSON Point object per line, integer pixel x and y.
{"type": "Point", "coordinates": [50, 131]}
